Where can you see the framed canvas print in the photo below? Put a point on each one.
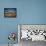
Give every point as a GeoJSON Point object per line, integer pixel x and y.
{"type": "Point", "coordinates": [10, 12]}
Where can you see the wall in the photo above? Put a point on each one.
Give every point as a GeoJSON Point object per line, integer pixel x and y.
{"type": "Point", "coordinates": [28, 12]}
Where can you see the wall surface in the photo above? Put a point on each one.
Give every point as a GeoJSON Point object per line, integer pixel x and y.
{"type": "Point", "coordinates": [28, 12]}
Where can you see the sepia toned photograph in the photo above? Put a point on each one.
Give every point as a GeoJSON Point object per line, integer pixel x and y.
{"type": "Point", "coordinates": [10, 12]}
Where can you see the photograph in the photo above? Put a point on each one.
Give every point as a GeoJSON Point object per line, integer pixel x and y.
{"type": "Point", "coordinates": [10, 12]}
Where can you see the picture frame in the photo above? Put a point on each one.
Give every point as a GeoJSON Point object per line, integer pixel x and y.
{"type": "Point", "coordinates": [10, 12]}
